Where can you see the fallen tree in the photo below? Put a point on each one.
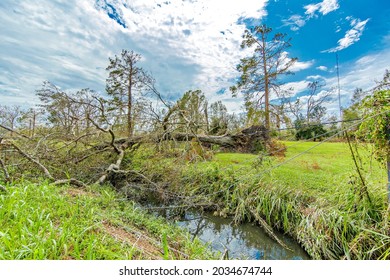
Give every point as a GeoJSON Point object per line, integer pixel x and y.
{"type": "Point", "coordinates": [48, 157]}
{"type": "Point", "coordinates": [250, 140]}
{"type": "Point", "coordinates": [81, 145]}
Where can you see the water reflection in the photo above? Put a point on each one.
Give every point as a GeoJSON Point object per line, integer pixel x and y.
{"type": "Point", "coordinates": [244, 241]}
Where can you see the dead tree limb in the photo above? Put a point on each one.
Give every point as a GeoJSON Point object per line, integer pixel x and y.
{"type": "Point", "coordinates": [92, 154]}
{"type": "Point", "coordinates": [74, 141]}
{"type": "Point", "coordinates": [14, 131]}
{"type": "Point", "coordinates": [113, 167]}
{"type": "Point", "coordinates": [41, 142]}
{"type": "Point", "coordinates": [47, 173]}
{"type": "Point", "coordinates": [268, 229]}
{"type": "Point", "coordinates": [5, 171]}
{"type": "Point", "coordinates": [108, 130]}
{"type": "Point", "coordinates": [224, 141]}
{"type": "Point", "coordinates": [36, 162]}
{"type": "Point", "coordinates": [247, 140]}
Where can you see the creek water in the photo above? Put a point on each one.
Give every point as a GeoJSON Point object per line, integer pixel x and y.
{"type": "Point", "coordinates": [243, 241]}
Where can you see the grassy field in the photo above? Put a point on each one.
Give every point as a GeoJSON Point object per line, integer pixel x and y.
{"type": "Point", "coordinates": [326, 172]}
{"type": "Point", "coordinates": [42, 221]}
{"type": "Point", "coordinates": [317, 198]}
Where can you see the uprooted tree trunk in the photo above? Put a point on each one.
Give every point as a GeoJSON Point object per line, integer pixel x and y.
{"type": "Point", "coordinates": [250, 140]}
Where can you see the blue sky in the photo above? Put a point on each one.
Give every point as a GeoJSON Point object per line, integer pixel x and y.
{"type": "Point", "coordinates": [187, 44]}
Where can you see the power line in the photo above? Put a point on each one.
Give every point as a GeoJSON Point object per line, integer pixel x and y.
{"type": "Point", "coordinates": [315, 124]}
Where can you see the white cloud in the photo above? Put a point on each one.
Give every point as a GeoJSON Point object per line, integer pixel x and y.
{"type": "Point", "coordinates": [296, 86]}
{"type": "Point", "coordinates": [363, 73]}
{"type": "Point", "coordinates": [351, 36]}
{"type": "Point", "coordinates": [211, 49]}
{"type": "Point", "coordinates": [295, 22]}
{"type": "Point", "coordinates": [301, 65]}
{"type": "Point", "coordinates": [324, 7]}
{"type": "Point", "coordinates": [298, 65]}
{"type": "Point", "coordinates": [322, 68]}
{"type": "Point", "coordinates": [366, 60]}
{"type": "Point", "coordinates": [315, 77]}
{"type": "Point", "coordinates": [184, 43]}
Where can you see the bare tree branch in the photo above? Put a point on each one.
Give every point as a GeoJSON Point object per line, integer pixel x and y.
{"type": "Point", "coordinates": [36, 162]}
{"type": "Point", "coordinates": [74, 141]}
{"type": "Point", "coordinates": [109, 130]}
{"type": "Point", "coordinates": [44, 169]}
{"type": "Point", "coordinates": [113, 167]}
{"type": "Point", "coordinates": [14, 131]}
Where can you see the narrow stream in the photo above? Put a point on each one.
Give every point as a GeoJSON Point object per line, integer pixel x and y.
{"type": "Point", "coordinates": [244, 241]}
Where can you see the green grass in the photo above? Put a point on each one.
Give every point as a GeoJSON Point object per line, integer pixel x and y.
{"type": "Point", "coordinates": [328, 171]}
{"type": "Point", "coordinates": [316, 198]}
{"type": "Point", "coordinates": [42, 221]}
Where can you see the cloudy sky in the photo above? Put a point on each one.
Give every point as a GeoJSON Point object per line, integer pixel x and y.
{"type": "Point", "coordinates": [187, 44]}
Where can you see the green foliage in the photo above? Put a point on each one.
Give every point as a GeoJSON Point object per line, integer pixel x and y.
{"type": "Point", "coordinates": [308, 131]}
{"type": "Point", "coordinates": [376, 127]}
{"type": "Point", "coordinates": [218, 118]}
{"type": "Point", "coordinates": [354, 111]}
{"type": "Point", "coordinates": [192, 108]}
